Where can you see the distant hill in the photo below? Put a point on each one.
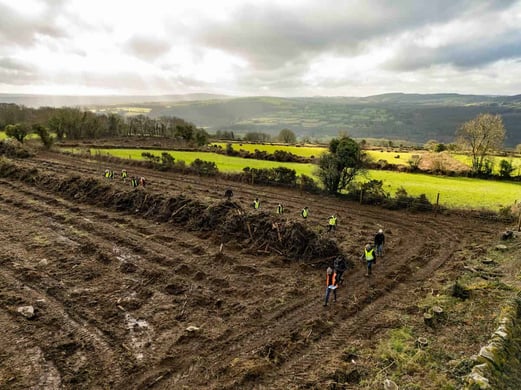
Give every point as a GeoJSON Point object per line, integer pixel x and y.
{"type": "Point", "coordinates": [411, 117]}
{"type": "Point", "coordinates": [395, 116]}
{"type": "Point", "coordinates": [81, 101]}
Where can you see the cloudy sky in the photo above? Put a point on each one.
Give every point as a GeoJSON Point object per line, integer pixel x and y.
{"type": "Point", "coordinates": [260, 47]}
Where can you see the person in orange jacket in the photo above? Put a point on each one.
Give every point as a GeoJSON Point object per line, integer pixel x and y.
{"type": "Point", "coordinates": [331, 284]}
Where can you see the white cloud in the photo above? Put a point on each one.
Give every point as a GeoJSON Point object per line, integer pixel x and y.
{"type": "Point", "coordinates": [285, 48]}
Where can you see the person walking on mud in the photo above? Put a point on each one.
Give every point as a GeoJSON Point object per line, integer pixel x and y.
{"type": "Point", "coordinates": [340, 267]}
{"type": "Point", "coordinates": [369, 257]}
{"type": "Point", "coordinates": [280, 209]}
{"type": "Point", "coordinates": [379, 241]}
{"type": "Point", "coordinates": [109, 174]}
{"type": "Point", "coordinates": [305, 212]}
{"type": "Point", "coordinates": [331, 284]}
{"type": "Point", "coordinates": [256, 203]}
{"type": "Point", "coordinates": [124, 174]}
{"type": "Point", "coordinates": [228, 194]}
{"type": "Point", "coordinates": [331, 223]}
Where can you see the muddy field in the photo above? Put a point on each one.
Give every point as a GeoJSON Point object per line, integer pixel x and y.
{"type": "Point", "coordinates": [173, 287]}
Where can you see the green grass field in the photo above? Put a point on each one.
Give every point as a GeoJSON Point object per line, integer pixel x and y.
{"type": "Point", "coordinates": [460, 192]}
{"type": "Point", "coordinates": [399, 158]}
{"type": "Point", "coordinates": [403, 159]}
{"type": "Point", "coordinates": [224, 163]}
{"type": "Point", "coordinates": [496, 160]}
{"type": "Point", "coordinates": [457, 192]}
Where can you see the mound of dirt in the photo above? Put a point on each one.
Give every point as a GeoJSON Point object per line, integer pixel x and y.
{"type": "Point", "coordinates": [11, 148]}
{"type": "Point", "coordinates": [259, 233]}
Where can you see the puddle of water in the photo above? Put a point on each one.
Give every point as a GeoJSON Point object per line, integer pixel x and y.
{"type": "Point", "coordinates": [140, 334]}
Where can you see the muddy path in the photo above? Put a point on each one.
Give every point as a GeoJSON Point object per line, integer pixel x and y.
{"type": "Point", "coordinates": [125, 301]}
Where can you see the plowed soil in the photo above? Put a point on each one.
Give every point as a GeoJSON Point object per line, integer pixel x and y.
{"type": "Point", "coordinates": [149, 288]}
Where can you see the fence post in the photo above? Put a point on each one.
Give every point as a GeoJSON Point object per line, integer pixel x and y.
{"type": "Point", "coordinates": [361, 196]}
{"type": "Point", "coordinates": [437, 204]}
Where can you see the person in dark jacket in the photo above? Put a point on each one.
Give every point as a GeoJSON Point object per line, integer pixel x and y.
{"type": "Point", "coordinates": [340, 267]}
{"type": "Point", "coordinates": [331, 284]}
{"type": "Point", "coordinates": [379, 241]}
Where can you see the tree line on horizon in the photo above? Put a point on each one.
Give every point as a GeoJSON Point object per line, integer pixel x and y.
{"type": "Point", "coordinates": [75, 124]}
{"type": "Point", "coordinates": [481, 135]}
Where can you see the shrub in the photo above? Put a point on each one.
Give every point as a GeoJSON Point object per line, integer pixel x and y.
{"type": "Point", "coordinates": [18, 131]}
{"type": "Point", "coordinates": [372, 192]}
{"type": "Point", "coordinates": [405, 201]}
{"type": "Point", "coordinates": [204, 168]}
{"type": "Point", "coordinates": [505, 168]}
{"type": "Point", "coordinates": [150, 157]}
{"type": "Point", "coordinates": [506, 213]}
{"type": "Point", "coordinates": [180, 165]}
{"type": "Point", "coordinates": [279, 175]}
{"type": "Point", "coordinates": [440, 148]}
{"type": "Point", "coordinates": [230, 151]}
{"type": "Point", "coordinates": [420, 203]}
{"type": "Point", "coordinates": [308, 184]}
{"type": "Point", "coordinates": [284, 176]}
{"type": "Point", "coordinates": [167, 161]}
{"type": "Point", "coordinates": [414, 162]}
{"type": "Point", "coordinates": [488, 167]}
{"type": "Point", "coordinates": [45, 136]}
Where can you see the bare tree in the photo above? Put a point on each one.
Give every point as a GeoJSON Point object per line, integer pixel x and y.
{"type": "Point", "coordinates": [287, 136]}
{"type": "Point", "coordinates": [481, 135]}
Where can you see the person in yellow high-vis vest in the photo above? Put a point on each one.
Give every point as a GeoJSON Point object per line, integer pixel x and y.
{"type": "Point", "coordinates": [332, 223]}
{"type": "Point", "coordinates": [369, 257]}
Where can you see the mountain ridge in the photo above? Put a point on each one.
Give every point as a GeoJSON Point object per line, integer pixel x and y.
{"type": "Point", "coordinates": [395, 116]}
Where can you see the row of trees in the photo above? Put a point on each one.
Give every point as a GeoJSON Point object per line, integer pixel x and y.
{"type": "Point", "coordinates": [74, 124]}
{"type": "Point", "coordinates": [285, 135]}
